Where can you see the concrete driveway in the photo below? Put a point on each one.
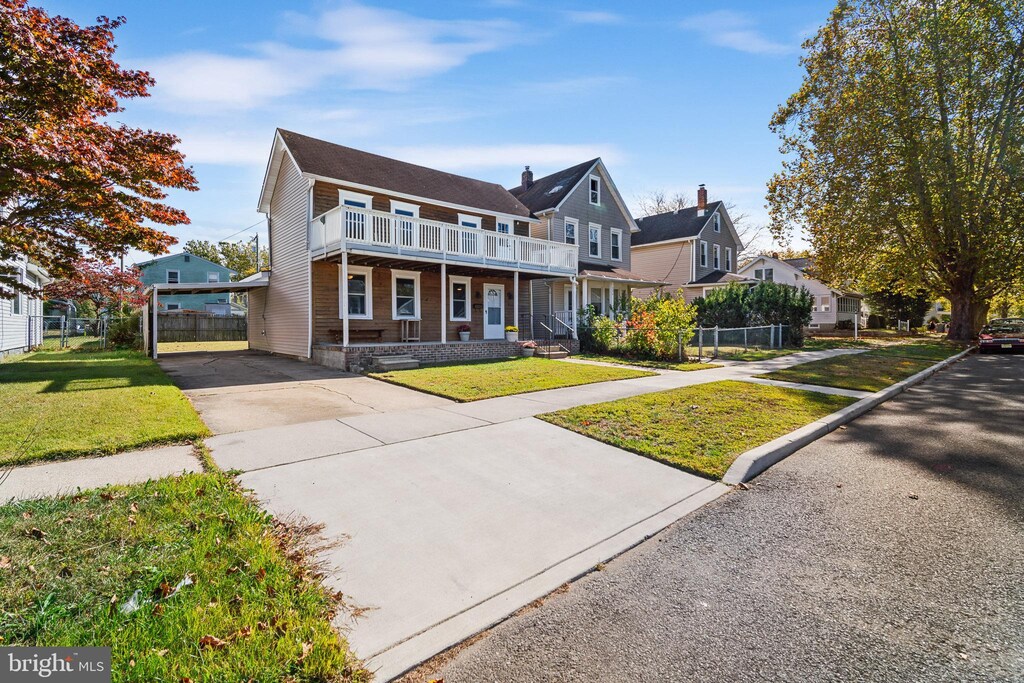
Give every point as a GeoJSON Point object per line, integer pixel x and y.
{"type": "Point", "coordinates": [237, 391]}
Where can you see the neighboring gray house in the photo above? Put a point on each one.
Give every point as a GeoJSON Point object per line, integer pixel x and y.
{"type": "Point", "coordinates": [831, 305]}
{"type": "Point", "coordinates": [580, 205]}
{"type": "Point", "coordinates": [693, 249]}
{"type": "Point", "coordinates": [21, 325]}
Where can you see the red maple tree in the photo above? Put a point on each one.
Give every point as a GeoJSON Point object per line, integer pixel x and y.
{"type": "Point", "coordinates": [76, 188]}
{"type": "Point", "coordinates": [103, 283]}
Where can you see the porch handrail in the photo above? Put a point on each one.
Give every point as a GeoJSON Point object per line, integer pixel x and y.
{"type": "Point", "coordinates": [346, 226]}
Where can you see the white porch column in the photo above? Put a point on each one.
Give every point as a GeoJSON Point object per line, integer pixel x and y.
{"type": "Point", "coordinates": [344, 298]}
{"type": "Point", "coordinates": [444, 302]}
{"type": "Point", "coordinates": [586, 295]}
{"type": "Point", "coordinates": [156, 311]}
{"type": "Point", "coordinates": [515, 298]}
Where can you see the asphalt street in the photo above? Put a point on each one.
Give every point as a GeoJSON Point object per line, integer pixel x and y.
{"type": "Point", "coordinates": [891, 550]}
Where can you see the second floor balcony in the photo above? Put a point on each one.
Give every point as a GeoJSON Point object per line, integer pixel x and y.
{"type": "Point", "coordinates": [358, 230]}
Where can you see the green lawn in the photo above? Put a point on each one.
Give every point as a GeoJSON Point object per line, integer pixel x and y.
{"type": "Point", "coordinates": [810, 344]}
{"type": "Point", "coordinates": [67, 404]}
{"type": "Point", "coordinates": [254, 610]}
{"type": "Point", "coordinates": [487, 379]}
{"type": "Point", "coordinates": [659, 364]}
{"type": "Point", "coordinates": [700, 429]}
{"type": "Point", "coordinates": [871, 371]}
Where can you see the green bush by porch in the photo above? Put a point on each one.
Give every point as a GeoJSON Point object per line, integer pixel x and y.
{"type": "Point", "coordinates": [489, 379]}
{"type": "Point", "coordinates": [700, 429]}
{"type": "Point", "coordinates": [68, 404]}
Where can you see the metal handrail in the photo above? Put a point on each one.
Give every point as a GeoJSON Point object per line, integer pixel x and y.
{"type": "Point", "coordinates": [552, 339]}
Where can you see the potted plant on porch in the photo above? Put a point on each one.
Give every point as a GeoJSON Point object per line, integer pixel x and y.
{"type": "Point", "coordinates": [463, 331]}
{"type": "Point", "coordinates": [511, 333]}
{"type": "Point", "coordinates": [529, 347]}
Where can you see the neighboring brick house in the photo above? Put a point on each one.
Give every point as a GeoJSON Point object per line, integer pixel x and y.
{"type": "Point", "coordinates": [692, 250]}
{"type": "Point", "coordinates": [188, 268]}
{"type": "Point", "coordinates": [831, 305]}
{"type": "Point", "coordinates": [580, 206]}
{"type": "Point", "coordinates": [375, 256]}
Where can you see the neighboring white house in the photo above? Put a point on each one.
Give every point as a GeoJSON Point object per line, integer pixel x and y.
{"type": "Point", "coordinates": [831, 305]}
{"type": "Point", "coordinates": [21, 325]}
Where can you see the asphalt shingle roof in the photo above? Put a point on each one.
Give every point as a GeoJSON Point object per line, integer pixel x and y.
{"type": "Point", "coordinates": [799, 263]}
{"type": "Point", "coordinates": [672, 225]}
{"type": "Point", "coordinates": [341, 163]}
{"type": "Point", "coordinates": [717, 276]}
{"type": "Point", "coordinates": [548, 191]}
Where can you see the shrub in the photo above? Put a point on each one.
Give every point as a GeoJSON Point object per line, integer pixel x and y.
{"type": "Point", "coordinates": [124, 333]}
{"type": "Point", "coordinates": [603, 334]}
{"type": "Point", "coordinates": [844, 324]}
{"type": "Point", "coordinates": [875, 322]}
{"type": "Point", "coordinates": [723, 306]}
{"type": "Point", "coordinates": [766, 303]}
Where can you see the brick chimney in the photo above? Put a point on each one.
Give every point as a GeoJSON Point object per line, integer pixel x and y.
{"type": "Point", "coordinates": [702, 200]}
{"type": "Point", "coordinates": [527, 178]}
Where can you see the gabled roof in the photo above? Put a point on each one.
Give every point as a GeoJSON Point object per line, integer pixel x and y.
{"type": "Point", "coordinates": [798, 263]}
{"type": "Point", "coordinates": [673, 225]}
{"type": "Point", "coordinates": [719, 277]}
{"type": "Point", "coordinates": [549, 191]}
{"type": "Point", "coordinates": [335, 162]}
{"type": "Point", "coordinates": [600, 271]}
{"type": "Point", "coordinates": [150, 262]}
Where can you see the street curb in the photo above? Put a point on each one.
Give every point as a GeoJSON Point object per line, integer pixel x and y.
{"type": "Point", "coordinates": [751, 463]}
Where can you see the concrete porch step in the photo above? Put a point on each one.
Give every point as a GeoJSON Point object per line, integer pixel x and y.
{"type": "Point", "coordinates": [550, 352]}
{"type": "Point", "coordinates": [397, 362]}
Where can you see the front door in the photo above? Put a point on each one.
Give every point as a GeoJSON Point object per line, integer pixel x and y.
{"type": "Point", "coordinates": [569, 311]}
{"type": "Point", "coordinates": [494, 311]}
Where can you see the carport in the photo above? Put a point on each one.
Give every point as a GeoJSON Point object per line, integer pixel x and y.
{"type": "Point", "coordinates": [151, 309]}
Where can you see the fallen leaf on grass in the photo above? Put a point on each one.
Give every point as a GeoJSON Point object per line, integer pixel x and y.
{"type": "Point", "coordinates": [65, 572]}
{"type": "Point", "coordinates": [158, 610]}
{"type": "Point", "coordinates": [5, 562]}
{"type": "Point", "coordinates": [261, 574]}
{"type": "Point", "coordinates": [307, 647]}
{"type": "Point", "coordinates": [134, 507]}
{"type": "Point", "coordinates": [26, 515]}
{"type": "Point", "coordinates": [212, 643]}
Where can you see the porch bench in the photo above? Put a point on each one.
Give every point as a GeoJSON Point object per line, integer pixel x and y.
{"type": "Point", "coordinates": [367, 334]}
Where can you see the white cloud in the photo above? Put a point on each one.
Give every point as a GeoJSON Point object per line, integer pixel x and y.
{"type": "Point", "coordinates": [735, 31]}
{"type": "Point", "coordinates": [359, 47]}
{"type": "Point", "coordinates": [473, 157]}
{"type": "Point", "coordinates": [593, 17]}
{"type": "Point", "coordinates": [225, 147]}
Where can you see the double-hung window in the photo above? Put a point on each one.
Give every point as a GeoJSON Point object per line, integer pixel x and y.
{"type": "Point", "coordinates": [16, 302]}
{"type": "Point", "coordinates": [213, 277]}
{"type": "Point", "coordinates": [728, 259]}
{"type": "Point", "coordinates": [355, 221]}
{"type": "Point", "coordinates": [504, 226]}
{"type": "Point", "coordinates": [718, 256]}
{"type": "Point", "coordinates": [459, 298]}
{"type": "Point", "coordinates": [571, 226]}
{"type": "Point", "coordinates": [703, 254]}
{"type": "Point", "coordinates": [767, 274]}
{"type": "Point", "coordinates": [469, 243]}
{"type": "Point", "coordinates": [826, 302]}
{"type": "Point", "coordinates": [408, 234]}
{"type": "Point", "coordinates": [360, 292]}
{"type": "Point", "coordinates": [595, 240]}
{"type": "Point", "coordinates": [405, 300]}
{"type": "Point", "coordinates": [595, 190]}
{"type": "Point", "coordinates": [173, 277]}
{"type": "Point", "coordinates": [717, 220]}
{"type": "Point", "coordinates": [616, 245]}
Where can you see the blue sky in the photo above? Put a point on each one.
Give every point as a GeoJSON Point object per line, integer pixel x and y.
{"type": "Point", "coordinates": [670, 94]}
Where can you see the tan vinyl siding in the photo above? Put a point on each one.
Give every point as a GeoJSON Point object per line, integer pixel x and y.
{"type": "Point", "coordinates": [669, 263]}
{"type": "Point", "coordinates": [283, 327]}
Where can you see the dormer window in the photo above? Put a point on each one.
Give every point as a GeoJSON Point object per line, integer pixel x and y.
{"type": "Point", "coordinates": [595, 190]}
{"type": "Point", "coordinates": [717, 222]}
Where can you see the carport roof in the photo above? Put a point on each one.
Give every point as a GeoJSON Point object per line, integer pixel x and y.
{"type": "Point", "coordinates": [206, 287]}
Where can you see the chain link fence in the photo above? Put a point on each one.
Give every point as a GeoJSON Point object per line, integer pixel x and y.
{"type": "Point", "coordinates": [58, 332]}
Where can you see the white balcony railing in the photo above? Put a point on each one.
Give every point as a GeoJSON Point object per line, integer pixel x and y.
{"type": "Point", "coordinates": [345, 227]}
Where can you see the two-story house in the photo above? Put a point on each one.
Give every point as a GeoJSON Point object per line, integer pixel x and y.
{"type": "Point", "coordinates": [831, 305]}
{"type": "Point", "coordinates": [580, 206]}
{"type": "Point", "coordinates": [692, 250]}
{"type": "Point", "coordinates": [372, 256]}
{"type": "Point", "coordinates": [184, 268]}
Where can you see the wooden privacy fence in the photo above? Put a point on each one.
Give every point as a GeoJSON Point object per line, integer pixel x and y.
{"type": "Point", "coordinates": [199, 327]}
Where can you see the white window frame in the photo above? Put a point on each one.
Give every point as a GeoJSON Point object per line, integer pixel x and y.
{"type": "Point", "coordinates": [703, 256]}
{"type": "Point", "coordinates": [358, 197]}
{"type": "Point", "coordinates": [510, 222]}
{"type": "Point", "coordinates": [468, 281]}
{"type": "Point", "coordinates": [397, 206]}
{"type": "Point", "coordinates": [575, 230]}
{"type": "Point", "coordinates": [469, 218]}
{"type": "Point", "coordinates": [591, 190]}
{"type": "Point", "coordinates": [616, 242]}
{"type": "Point", "coordinates": [413, 275]}
{"type": "Point", "coordinates": [173, 307]}
{"type": "Point", "coordinates": [215, 276]}
{"type": "Point", "coordinates": [728, 259]}
{"type": "Point", "coordinates": [761, 276]}
{"type": "Point", "coordinates": [591, 242]}
{"type": "Point", "coordinates": [177, 277]}
{"type": "Point", "coordinates": [18, 302]}
{"type": "Point", "coordinates": [343, 304]}
{"type": "Point", "coordinates": [826, 303]}
{"type": "Point", "coordinates": [717, 254]}
{"type": "Point", "coordinates": [717, 222]}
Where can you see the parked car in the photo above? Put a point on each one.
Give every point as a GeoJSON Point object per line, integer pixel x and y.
{"type": "Point", "coordinates": [1002, 334]}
